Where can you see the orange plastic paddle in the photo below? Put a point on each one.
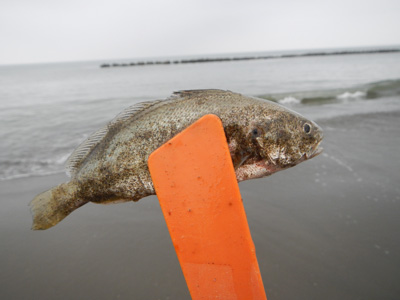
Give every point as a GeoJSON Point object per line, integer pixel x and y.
{"type": "Point", "coordinates": [199, 195]}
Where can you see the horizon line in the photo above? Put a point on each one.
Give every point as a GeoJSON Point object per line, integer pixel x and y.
{"type": "Point", "coordinates": [231, 55]}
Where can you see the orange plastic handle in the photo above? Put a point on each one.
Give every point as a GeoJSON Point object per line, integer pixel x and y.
{"type": "Point", "coordinates": [199, 195]}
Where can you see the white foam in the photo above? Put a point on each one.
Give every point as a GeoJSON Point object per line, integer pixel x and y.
{"type": "Point", "coordinates": [352, 96]}
{"type": "Point", "coordinates": [289, 100]}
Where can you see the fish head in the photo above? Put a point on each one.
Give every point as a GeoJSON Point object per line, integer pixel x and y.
{"type": "Point", "coordinates": [279, 139]}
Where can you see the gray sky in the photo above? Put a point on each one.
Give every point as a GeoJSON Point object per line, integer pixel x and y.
{"type": "Point", "coordinates": [53, 30]}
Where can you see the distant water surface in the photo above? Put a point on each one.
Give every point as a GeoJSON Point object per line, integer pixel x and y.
{"type": "Point", "coordinates": [46, 110]}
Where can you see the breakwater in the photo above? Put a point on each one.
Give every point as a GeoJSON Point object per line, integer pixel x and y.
{"type": "Point", "coordinates": [242, 58]}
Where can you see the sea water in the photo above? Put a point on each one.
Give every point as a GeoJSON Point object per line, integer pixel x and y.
{"type": "Point", "coordinates": [47, 110]}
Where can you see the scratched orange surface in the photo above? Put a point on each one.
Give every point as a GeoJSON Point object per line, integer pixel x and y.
{"type": "Point", "coordinates": [199, 195]}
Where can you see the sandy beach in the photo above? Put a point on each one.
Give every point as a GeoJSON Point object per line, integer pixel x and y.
{"type": "Point", "coordinates": [326, 229]}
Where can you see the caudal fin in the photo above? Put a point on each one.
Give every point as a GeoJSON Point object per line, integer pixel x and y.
{"type": "Point", "coordinates": [52, 206]}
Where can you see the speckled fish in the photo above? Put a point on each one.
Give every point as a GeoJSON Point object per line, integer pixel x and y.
{"type": "Point", "coordinates": [111, 165]}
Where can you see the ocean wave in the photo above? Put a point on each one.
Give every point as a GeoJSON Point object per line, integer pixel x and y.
{"type": "Point", "coordinates": [32, 174]}
{"type": "Point", "coordinates": [352, 96]}
{"type": "Point", "coordinates": [289, 101]}
{"type": "Point", "coordinates": [21, 160]}
{"type": "Point", "coordinates": [24, 167]}
{"type": "Point", "coordinates": [368, 91]}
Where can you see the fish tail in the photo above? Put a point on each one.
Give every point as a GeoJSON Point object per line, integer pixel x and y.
{"type": "Point", "coordinates": [52, 206]}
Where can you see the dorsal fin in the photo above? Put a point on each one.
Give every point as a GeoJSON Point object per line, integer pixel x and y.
{"type": "Point", "coordinates": [78, 156]}
{"type": "Point", "coordinates": [133, 110]}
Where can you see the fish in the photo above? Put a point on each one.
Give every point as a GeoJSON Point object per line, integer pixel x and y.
{"type": "Point", "coordinates": [111, 165]}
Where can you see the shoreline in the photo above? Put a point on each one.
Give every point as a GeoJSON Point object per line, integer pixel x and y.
{"type": "Point", "coordinates": [325, 227]}
{"type": "Point", "coordinates": [239, 58]}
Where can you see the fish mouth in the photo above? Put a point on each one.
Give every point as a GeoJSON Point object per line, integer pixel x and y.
{"type": "Point", "coordinates": [273, 166]}
{"type": "Point", "coordinates": [317, 150]}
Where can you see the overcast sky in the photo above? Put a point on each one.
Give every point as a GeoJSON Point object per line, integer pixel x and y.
{"type": "Point", "coordinates": [52, 30]}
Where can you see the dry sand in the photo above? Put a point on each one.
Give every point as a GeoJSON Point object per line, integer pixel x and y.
{"type": "Point", "coordinates": [326, 229]}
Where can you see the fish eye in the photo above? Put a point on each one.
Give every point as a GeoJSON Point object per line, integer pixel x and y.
{"type": "Point", "coordinates": [307, 128]}
{"type": "Point", "coordinates": [255, 132]}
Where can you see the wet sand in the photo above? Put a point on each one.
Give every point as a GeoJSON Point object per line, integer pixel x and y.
{"type": "Point", "coordinates": [326, 229]}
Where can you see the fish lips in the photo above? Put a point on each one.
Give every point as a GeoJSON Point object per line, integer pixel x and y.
{"type": "Point", "coordinates": [273, 167]}
{"type": "Point", "coordinates": [317, 150]}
